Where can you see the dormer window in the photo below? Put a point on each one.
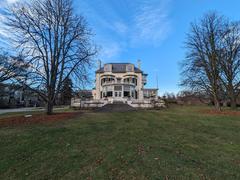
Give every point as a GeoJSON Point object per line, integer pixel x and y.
{"type": "Point", "coordinates": [107, 68]}
{"type": "Point", "coordinates": [129, 68]}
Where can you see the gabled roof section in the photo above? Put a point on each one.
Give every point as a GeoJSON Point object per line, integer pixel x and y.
{"type": "Point", "coordinates": [119, 68]}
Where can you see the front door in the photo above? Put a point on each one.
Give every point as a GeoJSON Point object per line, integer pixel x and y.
{"type": "Point", "coordinates": [118, 95]}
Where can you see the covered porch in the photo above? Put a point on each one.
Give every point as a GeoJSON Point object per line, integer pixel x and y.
{"type": "Point", "coordinates": [119, 92]}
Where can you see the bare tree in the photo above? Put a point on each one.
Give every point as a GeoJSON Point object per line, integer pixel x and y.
{"type": "Point", "coordinates": [11, 67]}
{"type": "Point", "coordinates": [201, 68]}
{"type": "Point", "coordinates": [230, 61]}
{"type": "Point", "coordinates": [56, 44]}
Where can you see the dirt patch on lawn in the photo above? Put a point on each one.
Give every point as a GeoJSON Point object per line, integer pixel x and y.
{"type": "Point", "coordinates": [36, 118]}
{"type": "Point", "coordinates": [224, 112]}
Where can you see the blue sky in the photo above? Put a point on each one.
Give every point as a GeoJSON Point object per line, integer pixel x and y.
{"type": "Point", "coordinates": [153, 31]}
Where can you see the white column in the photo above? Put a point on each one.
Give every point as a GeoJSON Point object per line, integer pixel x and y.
{"type": "Point", "coordinates": [122, 91]}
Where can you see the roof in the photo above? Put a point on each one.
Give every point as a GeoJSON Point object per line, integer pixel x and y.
{"type": "Point", "coordinates": [119, 68]}
{"type": "Point", "coordinates": [150, 89]}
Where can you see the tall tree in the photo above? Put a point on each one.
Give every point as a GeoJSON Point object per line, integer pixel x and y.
{"type": "Point", "coordinates": [201, 70]}
{"type": "Point", "coordinates": [230, 60]}
{"type": "Point", "coordinates": [56, 44]}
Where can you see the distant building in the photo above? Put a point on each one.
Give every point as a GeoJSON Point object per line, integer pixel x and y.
{"type": "Point", "coordinates": [121, 81]}
{"type": "Point", "coordinates": [85, 94]}
{"type": "Point", "coordinates": [17, 96]}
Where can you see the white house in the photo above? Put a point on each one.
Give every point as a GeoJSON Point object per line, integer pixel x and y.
{"type": "Point", "coordinates": [120, 82]}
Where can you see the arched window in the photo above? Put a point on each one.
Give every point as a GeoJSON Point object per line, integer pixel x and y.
{"type": "Point", "coordinates": [107, 80]}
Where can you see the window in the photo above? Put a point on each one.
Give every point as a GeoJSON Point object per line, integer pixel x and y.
{"type": "Point", "coordinates": [107, 68]}
{"type": "Point", "coordinates": [126, 94]}
{"type": "Point", "coordinates": [126, 80]}
{"type": "Point", "coordinates": [109, 94]}
{"type": "Point", "coordinates": [102, 81]}
{"type": "Point", "coordinates": [126, 88]}
{"type": "Point", "coordinates": [132, 93]}
{"type": "Point", "coordinates": [118, 80]}
{"type": "Point", "coordinates": [129, 68]}
{"type": "Point", "coordinates": [117, 88]}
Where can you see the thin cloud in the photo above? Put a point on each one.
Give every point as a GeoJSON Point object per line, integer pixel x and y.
{"type": "Point", "coordinates": [12, 1]}
{"type": "Point", "coordinates": [110, 50]}
{"type": "Point", "coordinates": [152, 23]}
{"type": "Point", "coordinates": [119, 26]}
{"type": "Point", "coordinates": [148, 23]}
{"type": "Point", "coordinates": [4, 33]}
{"type": "Point", "coordinates": [2, 30]}
{"type": "Point", "coordinates": [4, 3]}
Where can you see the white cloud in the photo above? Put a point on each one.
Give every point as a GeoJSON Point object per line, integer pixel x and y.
{"type": "Point", "coordinates": [12, 1]}
{"type": "Point", "coordinates": [120, 27]}
{"type": "Point", "coordinates": [4, 3]}
{"type": "Point", "coordinates": [147, 22]}
{"type": "Point", "coordinates": [151, 23]}
{"type": "Point", "coordinates": [110, 50]}
{"type": "Point", "coordinates": [3, 32]}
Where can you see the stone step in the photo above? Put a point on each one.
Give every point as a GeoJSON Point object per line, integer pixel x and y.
{"type": "Point", "coordinates": [116, 108]}
{"type": "Point", "coordinates": [118, 102]}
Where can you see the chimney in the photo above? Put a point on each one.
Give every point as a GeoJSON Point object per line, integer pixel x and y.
{"type": "Point", "coordinates": [99, 64]}
{"type": "Point", "coordinates": [139, 63]}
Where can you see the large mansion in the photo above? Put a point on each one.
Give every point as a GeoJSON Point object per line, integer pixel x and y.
{"type": "Point", "coordinates": [122, 81]}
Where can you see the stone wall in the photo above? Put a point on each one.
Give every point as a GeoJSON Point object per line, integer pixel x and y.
{"type": "Point", "coordinates": [146, 104]}
{"type": "Point", "coordinates": [141, 104]}
{"type": "Point", "coordinates": [87, 104]}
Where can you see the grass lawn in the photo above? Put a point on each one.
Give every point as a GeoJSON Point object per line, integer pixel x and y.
{"type": "Point", "coordinates": [177, 143]}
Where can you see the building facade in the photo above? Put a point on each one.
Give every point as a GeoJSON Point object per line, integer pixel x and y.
{"type": "Point", "coordinates": [120, 82]}
{"type": "Point", "coordinates": [17, 96]}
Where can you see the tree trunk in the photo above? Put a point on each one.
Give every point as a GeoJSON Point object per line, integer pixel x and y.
{"type": "Point", "coordinates": [217, 103]}
{"type": "Point", "coordinates": [49, 108]}
{"type": "Point", "coordinates": [233, 103]}
{"type": "Point", "coordinates": [232, 98]}
{"type": "Point", "coordinates": [217, 106]}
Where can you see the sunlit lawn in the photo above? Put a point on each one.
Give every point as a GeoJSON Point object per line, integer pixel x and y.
{"type": "Point", "coordinates": [177, 143]}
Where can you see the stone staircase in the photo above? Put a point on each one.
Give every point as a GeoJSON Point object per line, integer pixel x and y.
{"type": "Point", "coordinates": [116, 106]}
